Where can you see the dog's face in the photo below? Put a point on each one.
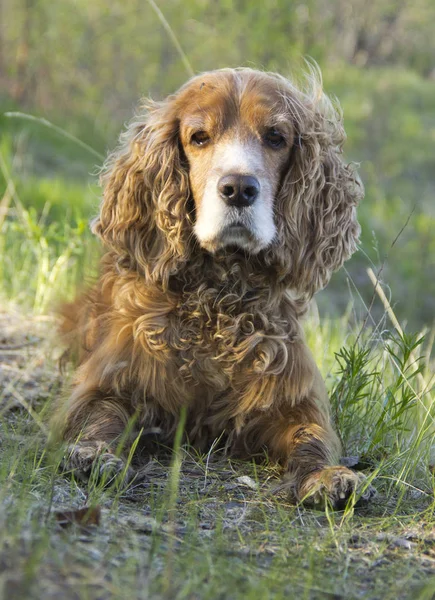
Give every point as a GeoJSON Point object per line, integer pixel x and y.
{"type": "Point", "coordinates": [237, 138]}
{"type": "Point", "coordinates": [236, 159]}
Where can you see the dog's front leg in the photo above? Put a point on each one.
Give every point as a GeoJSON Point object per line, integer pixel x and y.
{"type": "Point", "coordinates": [93, 423]}
{"type": "Point", "coordinates": [300, 438]}
{"type": "Point", "coordinates": [313, 472]}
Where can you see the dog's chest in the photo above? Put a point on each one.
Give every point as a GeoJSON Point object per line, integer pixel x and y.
{"type": "Point", "coordinates": [216, 339]}
{"type": "Point", "coordinates": [201, 344]}
{"type": "Point", "coordinates": [220, 354]}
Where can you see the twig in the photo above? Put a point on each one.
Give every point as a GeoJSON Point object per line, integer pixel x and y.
{"type": "Point", "coordinates": [380, 292]}
{"type": "Point", "coordinates": [55, 128]}
{"type": "Point", "coordinates": [5, 347]}
{"type": "Point", "coordinates": [380, 271]}
{"type": "Point", "coordinates": [173, 37]}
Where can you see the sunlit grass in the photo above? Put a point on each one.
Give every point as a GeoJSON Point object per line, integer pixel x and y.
{"type": "Point", "coordinates": [47, 250]}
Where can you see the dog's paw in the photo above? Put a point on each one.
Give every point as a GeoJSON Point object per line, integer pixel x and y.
{"type": "Point", "coordinates": [335, 485]}
{"type": "Point", "coordinates": [89, 459]}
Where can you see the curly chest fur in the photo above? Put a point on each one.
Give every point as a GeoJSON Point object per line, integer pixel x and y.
{"type": "Point", "coordinates": [217, 337]}
{"type": "Point", "coordinates": [223, 351]}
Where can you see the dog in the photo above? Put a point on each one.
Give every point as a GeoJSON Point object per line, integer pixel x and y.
{"type": "Point", "coordinates": [225, 208]}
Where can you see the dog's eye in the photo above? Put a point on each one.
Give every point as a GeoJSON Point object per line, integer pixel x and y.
{"type": "Point", "coordinates": [274, 138]}
{"type": "Point", "coordinates": [200, 138]}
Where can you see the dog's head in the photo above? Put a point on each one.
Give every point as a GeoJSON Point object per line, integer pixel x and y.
{"type": "Point", "coordinates": [236, 159]}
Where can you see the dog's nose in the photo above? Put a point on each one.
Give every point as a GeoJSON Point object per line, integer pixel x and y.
{"type": "Point", "coordinates": [238, 190]}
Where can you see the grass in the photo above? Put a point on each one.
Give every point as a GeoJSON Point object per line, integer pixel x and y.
{"type": "Point", "coordinates": [202, 527]}
{"type": "Point", "coordinates": [46, 246]}
{"type": "Point", "coordinates": [195, 528]}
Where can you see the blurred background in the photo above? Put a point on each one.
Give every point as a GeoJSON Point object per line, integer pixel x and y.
{"type": "Point", "coordinates": [84, 65]}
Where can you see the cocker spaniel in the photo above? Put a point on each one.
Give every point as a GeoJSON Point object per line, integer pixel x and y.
{"type": "Point", "coordinates": [226, 207]}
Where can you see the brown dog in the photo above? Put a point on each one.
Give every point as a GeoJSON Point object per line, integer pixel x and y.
{"type": "Point", "coordinates": [225, 209]}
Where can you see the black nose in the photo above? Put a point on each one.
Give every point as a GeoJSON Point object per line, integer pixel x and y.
{"type": "Point", "coordinates": [238, 190]}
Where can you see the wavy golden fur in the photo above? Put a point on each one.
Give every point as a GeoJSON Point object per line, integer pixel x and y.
{"type": "Point", "coordinates": [177, 320]}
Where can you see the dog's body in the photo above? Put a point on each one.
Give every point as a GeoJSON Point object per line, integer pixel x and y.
{"type": "Point", "coordinates": [225, 209]}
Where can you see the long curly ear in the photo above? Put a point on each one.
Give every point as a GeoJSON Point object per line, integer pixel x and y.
{"type": "Point", "coordinates": [318, 195]}
{"type": "Point", "coordinates": [143, 216]}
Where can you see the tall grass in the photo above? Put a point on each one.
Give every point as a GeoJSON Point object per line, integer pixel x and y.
{"type": "Point", "coordinates": [46, 248]}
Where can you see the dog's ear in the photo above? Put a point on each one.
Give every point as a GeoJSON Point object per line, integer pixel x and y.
{"type": "Point", "coordinates": [317, 198]}
{"type": "Point", "coordinates": [143, 216]}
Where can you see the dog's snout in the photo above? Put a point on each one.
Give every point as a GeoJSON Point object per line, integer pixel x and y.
{"type": "Point", "coordinates": [238, 190]}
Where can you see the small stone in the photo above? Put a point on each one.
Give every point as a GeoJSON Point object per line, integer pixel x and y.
{"type": "Point", "coordinates": [247, 481]}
